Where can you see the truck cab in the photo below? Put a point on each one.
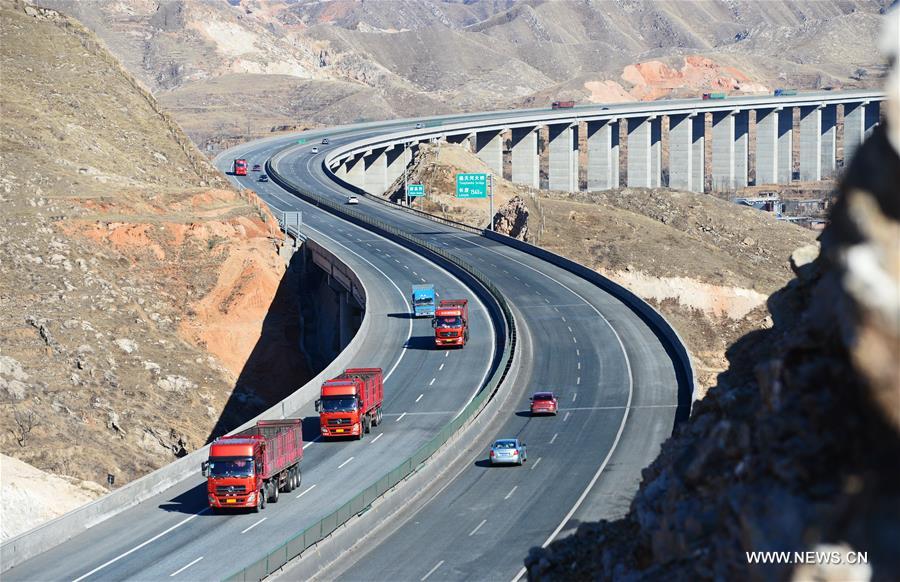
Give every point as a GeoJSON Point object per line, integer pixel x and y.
{"type": "Point", "coordinates": [451, 323]}
{"type": "Point", "coordinates": [232, 472]}
{"type": "Point", "coordinates": [350, 405]}
{"type": "Point", "coordinates": [423, 300]}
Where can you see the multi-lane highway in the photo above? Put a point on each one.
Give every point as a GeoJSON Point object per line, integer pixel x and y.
{"type": "Point", "coordinates": [617, 384]}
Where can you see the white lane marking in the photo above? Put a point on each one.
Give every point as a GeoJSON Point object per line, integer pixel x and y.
{"type": "Point", "coordinates": [556, 434]}
{"type": "Point", "coordinates": [556, 309]}
{"type": "Point", "coordinates": [441, 367]}
{"type": "Point", "coordinates": [368, 244]}
{"type": "Point", "coordinates": [399, 418]}
{"type": "Point", "coordinates": [511, 491]}
{"type": "Point", "coordinates": [415, 274]}
{"type": "Point", "coordinates": [139, 546]}
{"type": "Point", "coordinates": [315, 440]}
{"type": "Point", "coordinates": [566, 417]}
{"type": "Point", "coordinates": [477, 527]}
{"type": "Point", "coordinates": [538, 292]}
{"type": "Point", "coordinates": [396, 261]}
{"type": "Point", "coordinates": [430, 572]}
{"type": "Point", "coordinates": [372, 442]}
{"type": "Point", "coordinates": [579, 365]}
{"type": "Point", "coordinates": [406, 267]}
{"type": "Point", "coordinates": [546, 300]}
{"type": "Point", "coordinates": [432, 381]}
{"type": "Point", "coordinates": [536, 463]}
{"type": "Point", "coordinates": [420, 397]}
{"type": "Point", "coordinates": [447, 354]}
{"type": "Point", "coordinates": [341, 466]}
{"type": "Point", "coordinates": [570, 328]}
{"type": "Point", "coordinates": [574, 396]}
{"type": "Point", "coordinates": [574, 339]}
{"type": "Point", "coordinates": [516, 278]}
{"type": "Point", "coordinates": [358, 239]}
{"type": "Point", "coordinates": [577, 352]}
{"type": "Point", "coordinates": [305, 491]}
{"type": "Point", "coordinates": [254, 525]}
{"type": "Point", "coordinates": [423, 280]}
{"type": "Point", "coordinates": [564, 318]}
{"type": "Point", "coordinates": [183, 568]}
{"type": "Point", "coordinates": [578, 380]}
{"type": "Point", "coordinates": [527, 285]}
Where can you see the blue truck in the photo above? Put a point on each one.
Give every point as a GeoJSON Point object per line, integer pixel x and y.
{"type": "Point", "coordinates": [423, 300]}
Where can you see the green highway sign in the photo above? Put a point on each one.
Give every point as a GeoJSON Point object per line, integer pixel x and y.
{"type": "Point", "coordinates": [471, 185]}
{"type": "Point", "coordinates": [415, 190]}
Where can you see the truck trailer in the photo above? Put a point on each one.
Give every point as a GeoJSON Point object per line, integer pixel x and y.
{"type": "Point", "coordinates": [250, 468]}
{"type": "Point", "coordinates": [350, 405]}
{"type": "Point", "coordinates": [451, 323]}
{"type": "Point", "coordinates": [563, 104]}
{"type": "Point", "coordinates": [423, 300]}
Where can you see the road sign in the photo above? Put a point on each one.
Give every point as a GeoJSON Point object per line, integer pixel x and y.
{"type": "Point", "coordinates": [471, 185]}
{"type": "Point", "coordinates": [415, 190]}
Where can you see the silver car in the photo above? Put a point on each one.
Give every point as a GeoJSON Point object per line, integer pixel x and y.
{"type": "Point", "coordinates": [508, 452]}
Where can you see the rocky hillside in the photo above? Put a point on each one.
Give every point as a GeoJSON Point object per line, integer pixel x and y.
{"type": "Point", "coordinates": [244, 67]}
{"type": "Point", "coordinates": [707, 264]}
{"type": "Point", "coordinates": [134, 282]}
{"type": "Point", "coordinates": [795, 449]}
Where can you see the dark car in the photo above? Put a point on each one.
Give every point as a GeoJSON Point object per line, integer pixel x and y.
{"type": "Point", "coordinates": [257, 168]}
{"type": "Point", "coordinates": [263, 178]}
{"type": "Point", "coordinates": [324, 141]}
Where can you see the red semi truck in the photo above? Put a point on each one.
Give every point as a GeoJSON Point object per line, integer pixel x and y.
{"type": "Point", "coordinates": [350, 405]}
{"type": "Point", "coordinates": [240, 167]}
{"type": "Point", "coordinates": [563, 104]}
{"type": "Point", "coordinates": [252, 467]}
{"type": "Point", "coordinates": [451, 323]}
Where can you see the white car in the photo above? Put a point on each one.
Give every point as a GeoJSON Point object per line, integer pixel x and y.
{"type": "Point", "coordinates": [315, 150]}
{"type": "Point", "coordinates": [352, 200]}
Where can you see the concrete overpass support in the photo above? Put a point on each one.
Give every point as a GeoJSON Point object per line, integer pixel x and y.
{"type": "Point", "coordinates": [766, 146]}
{"type": "Point", "coordinates": [463, 139]}
{"type": "Point", "coordinates": [489, 148]}
{"type": "Point", "coordinates": [376, 181]}
{"type": "Point", "coordinates": [698, 153]}
{"type": "Point", "coordinates": [811, 143]}
{"type": "Point", "coordinates": [563, 162]}
{"type": "Point", "coordinates": [603, 155]}
{"type": "Point", "coordinates": [681, 155]}
{"type": "Point", "coordinates": [356, 171]}
{"type": "Point", "coordinates": [854, 129]}
{"type": "Point", "coordinates": [341, 172]}
{"type": "Point", "coordinates": [872, 116]}
{"type": "Point", "coordinates": [785, 145]}
{"type": "Point", "coordinates": [644, 134]}
{"type": "Point", "coordinates": [828, 121]}
{"type": "Point", "coordinates": [398, 157]}
{"type": "Point", "coordinates": [741, 148]}
{"type": "Point", "coordinates": [723, 150]}
{"type": "Point", "coordinates": [525, 161]}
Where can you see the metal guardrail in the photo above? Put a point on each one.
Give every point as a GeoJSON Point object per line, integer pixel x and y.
{"type": "Point", "coordinates": [318, 531]}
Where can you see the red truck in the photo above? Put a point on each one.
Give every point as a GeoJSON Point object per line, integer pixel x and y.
{"type": "Point", "coordinates": [251, 467]}
{"type": "Point", "coordinates": [451, 323]}
{"type": "Point", "coordinates": [350, 405]}
{"type": "Point", "coordinates": [563, 104]}
{"type": "Point", "coordinates": [240, 167]}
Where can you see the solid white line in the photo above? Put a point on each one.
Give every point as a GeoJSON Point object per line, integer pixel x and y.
{"type": "Point", "coordinates": [441, 367]}
{"type": "Point", "coordinates": [372, 442]}
{"type": "Point", "coordinates": [477, 527]}
{"type": "Point", "coordinates": [254, 525]}
{"type": "Point", "coordinates": [566, 417]}
{"type": "Point", "coordinates": [430, 572]}
{"type": "Point", "coordinates": [420, 397]}
{"type": "Point", "coordinates": [183, 568]}
{"type": "Point", "coordinates": [556, 434]}
{"type": "Point", "coordinates": [305, 491]}
{"type": "Point", "coordinates": [536, 463]}
{"type": "Point", "coordinates": [432, 381]}
{"type": "Point", "coordinates": [511, 491]}
{"type": "Point", "coordinates": [139, 546]}
{"type": "Point", "coordinates": [399, 418]}
{"type": "Point", "coordinates": [341, 466]}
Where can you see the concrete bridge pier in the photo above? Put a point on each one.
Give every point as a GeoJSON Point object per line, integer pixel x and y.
{"type": "Point", "coordinates": [563, 157]}
{"type": "Point", "coordinates": [785, 145]}
{"type": "Point", "coordinates": [602, 154]}
{"type": "Point", "coordinates": [644, 152]}
{"type": "Point", "coordinates": [766, 146]}
{"type": "Point", "coordinates": [489, 148]}
{"type": "Point", "coordinates": [811, 143]}
{"type": "Point", "coordinates": [376, 171]}
{"type": "Point", "coordinates": [463, 139]}
{"type": "Point", "coordinates": [398, 158]}
{"type": "Point", "coordinates": [686, 136]}
{"type": "Point", "coordinates": [828, 123]}
{"type": "Point", "coordinates": [356, 171]}
{"type": "Point", "coordinates": [525, 160]}
{"type": "Point", "coordinates": [730, 148]}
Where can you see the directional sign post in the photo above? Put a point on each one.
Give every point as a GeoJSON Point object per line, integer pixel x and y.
{"type": "Point", "coordinates": [415, 190]}
{"type": "Point", "coordinates": [477, 186]}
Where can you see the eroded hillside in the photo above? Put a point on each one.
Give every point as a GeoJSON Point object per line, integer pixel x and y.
{"type": "Point", "coordinates": [134, 281]}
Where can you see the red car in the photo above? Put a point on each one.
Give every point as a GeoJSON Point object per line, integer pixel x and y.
{"type": "Point", "coordinates": [544, 403]}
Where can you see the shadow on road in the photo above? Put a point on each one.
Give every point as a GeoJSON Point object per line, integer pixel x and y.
{"type": "Point", "coordinates": [421, 342]}
{"type": "Point", "coordinates": [191, 501]}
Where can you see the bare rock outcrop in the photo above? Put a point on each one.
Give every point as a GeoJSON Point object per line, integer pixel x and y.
{"type": "Point", "coordinates": [512, 219]}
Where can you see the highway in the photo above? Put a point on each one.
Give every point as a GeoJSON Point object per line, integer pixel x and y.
{"type": "Point", "coordinates": [424, 388]}
{"type": "Point", "coordinates": [618, 396]}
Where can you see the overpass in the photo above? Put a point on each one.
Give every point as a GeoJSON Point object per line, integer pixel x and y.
{"type": "Point", "coordinates": [819, 120]}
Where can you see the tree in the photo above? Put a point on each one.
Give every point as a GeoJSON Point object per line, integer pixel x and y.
{"type": "Point", "coordinates": [25, 421]}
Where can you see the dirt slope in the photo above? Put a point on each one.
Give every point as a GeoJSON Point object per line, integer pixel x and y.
{"type": "Point", "coordinates": [707, 264]}
{"type": "Point", "coordinates": [134, 282]}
